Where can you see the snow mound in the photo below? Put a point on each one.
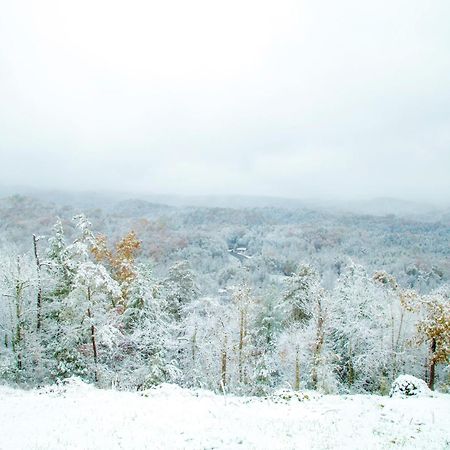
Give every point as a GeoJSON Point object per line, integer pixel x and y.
{"type": "Point", "coordinates": [409, 386]}
{"type": "Point", "coordinates": [68, 385]}
{"type": "Point", "coordinates": [287, 395]}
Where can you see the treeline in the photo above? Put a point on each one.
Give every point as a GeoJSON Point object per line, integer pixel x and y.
{"type": "Point", "coordinates": [95, 309]}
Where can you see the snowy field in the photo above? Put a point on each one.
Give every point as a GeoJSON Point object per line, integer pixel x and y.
{"type": "Point", "coordinates": [82, 417]}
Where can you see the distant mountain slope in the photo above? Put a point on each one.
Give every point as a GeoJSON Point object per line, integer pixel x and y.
{"type": "Point", "coordinates": [136, 203]}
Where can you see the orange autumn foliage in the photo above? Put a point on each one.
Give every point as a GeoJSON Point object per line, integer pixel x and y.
{"type": "Point", "coordinates": [121, 259]}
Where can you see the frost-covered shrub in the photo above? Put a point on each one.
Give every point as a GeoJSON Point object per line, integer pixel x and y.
{"type": "Point", "coordinates": [8, 370]}
{"type": "Point", "coordinates": [67, 385]}
{"type": "Point", "coordinates": [166, 390]}
{"type": "Point", "coordinates": [287, 395]}
{"type": "Point", "coordinates": [409, 386]}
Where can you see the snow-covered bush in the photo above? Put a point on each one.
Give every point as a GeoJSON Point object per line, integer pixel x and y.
{"type": "Point", "coordinates": [166, 390]}
{"type": "Point", "coordinates": [409, 386]}
{"type": "Point", "coordinates": [287, 395]}
{"type": "Point", "coordinates": [64, 386]}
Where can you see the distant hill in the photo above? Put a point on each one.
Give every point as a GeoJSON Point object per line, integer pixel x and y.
{"type": "Point", "coordinates": [139, 204]}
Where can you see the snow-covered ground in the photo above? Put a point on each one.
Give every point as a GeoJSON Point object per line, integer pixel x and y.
{"type": "Point", "coordinates": [83, 417]}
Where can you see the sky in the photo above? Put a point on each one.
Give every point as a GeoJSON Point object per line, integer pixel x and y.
{"type": "Point", "coordinates": [290, 98]}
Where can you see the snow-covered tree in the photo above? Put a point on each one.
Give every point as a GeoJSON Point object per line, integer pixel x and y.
{"type": "Point", "coordinates": [359, 332]}
{"type": "Point", "coordinates": [18, 319]}
{"type": "Point", "coordinates": [179, 288]}
{"type": "Point", "coordinates": [302, 288]}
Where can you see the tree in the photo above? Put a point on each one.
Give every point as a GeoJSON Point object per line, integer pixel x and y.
{"type": "Point", "coordinates": [154, 336]}
{"type": "Point", "coordinates": [93, 291]}
{"type": "Point", "coordinates": [78, 310]}
{"type": "Point", "coordinates": [433, 327]}
{"type": "Point", "coordinates": [306, 311]}
{"type": "Point", "coordinates": [399, 327]}
{"type": "Point", "coordinates": [39, 283]}
{"type": "Point", "coordinates": [243, 303]}
{"type": "Point", "coordinates": [301, 289]}
{"type": "Point", "coordinates": [16, 290]}
{"type": "Point", "coordinates": [206, 343]}
{"type": "Point", "coordinates": [358, 326]}
{"type": "Point", "coordinates": [293, 355]}
{"type": "Point", "coordinates": [179, 288]}
{"type": "Point", "coordinates": [60, 262]}
{"type": "Point", "coordinates": [121, 260]}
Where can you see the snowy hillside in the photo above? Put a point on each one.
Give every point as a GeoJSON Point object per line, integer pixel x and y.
{"type": "Point", "coordinates": [80, 416]}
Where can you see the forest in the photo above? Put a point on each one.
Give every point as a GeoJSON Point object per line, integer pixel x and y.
{"type": "Point", "coordinates": [240, 300]}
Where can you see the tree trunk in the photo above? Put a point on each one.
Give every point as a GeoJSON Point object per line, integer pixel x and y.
{"type": "Point", "coordinates": [432, 364]}
{"type": "Point", "coordinates": [350, 368]}
{"type": "Point", "coordinates": [426, 367]}
{"type": "Point", "coordinates": [223, 367]}
{"type": "Point", "coordinates": [194, 344]}
{"type": "Point", "coordinates": [39, 284]}
{"type": "Point", "coordinates": [17, 343]}
{"type": "Point", "coordinates": [297, 370]}
{"type": "Point", "coordinates": [94, 344]}
{"type": "Point", "coordinates": [317, 346]}
{"type": "Point", "coordinates": [241, 342]}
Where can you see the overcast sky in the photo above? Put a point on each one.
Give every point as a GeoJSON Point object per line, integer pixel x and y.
{"type": "Point", "coordinates": [301, 98]}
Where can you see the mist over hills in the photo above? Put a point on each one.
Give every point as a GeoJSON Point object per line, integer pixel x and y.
{"type": "Point", "coordinates": [110, 200]}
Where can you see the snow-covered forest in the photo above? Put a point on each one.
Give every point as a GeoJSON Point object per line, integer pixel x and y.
{"type": "Point", "coordinates": [240, 301]}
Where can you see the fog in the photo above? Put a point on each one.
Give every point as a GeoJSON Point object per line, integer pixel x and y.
{"type": "Point", "coordinates": [302, 99]}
